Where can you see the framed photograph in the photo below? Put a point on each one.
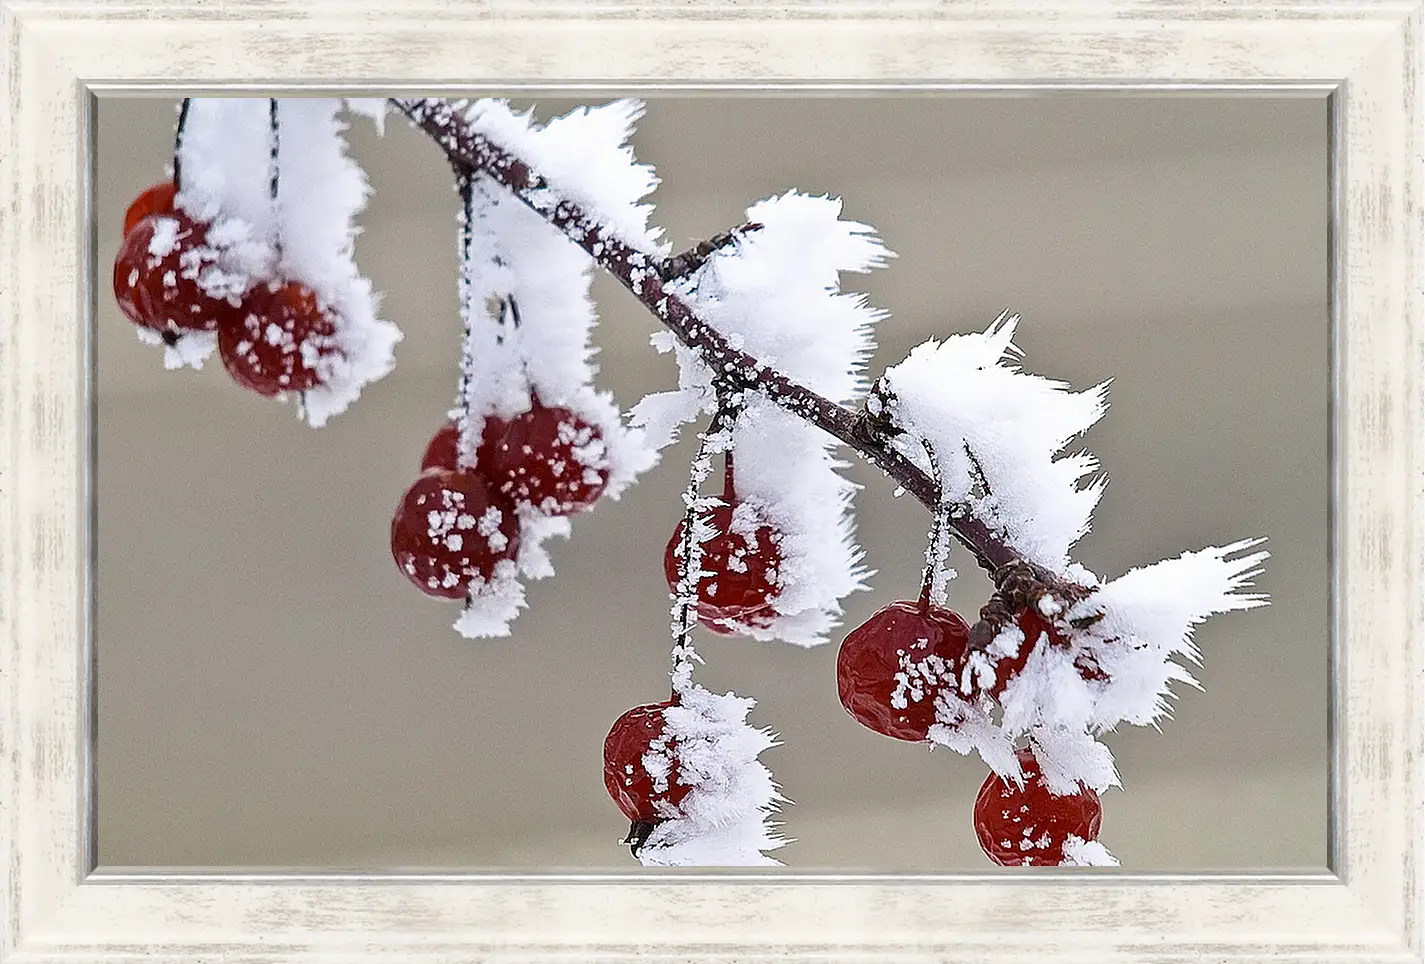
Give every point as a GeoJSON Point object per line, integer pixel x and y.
{"type": "Point", "coordinates": [317, 648]}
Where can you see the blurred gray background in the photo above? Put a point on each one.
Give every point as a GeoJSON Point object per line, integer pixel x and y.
{"type": "Point", "coordinates": [273, 693]}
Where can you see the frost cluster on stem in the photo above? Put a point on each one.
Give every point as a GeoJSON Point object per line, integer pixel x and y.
{"type": "Point", "coordinates": [232, 153]}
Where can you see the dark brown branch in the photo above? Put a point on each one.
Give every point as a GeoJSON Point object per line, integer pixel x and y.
{"type": "Point", "coordinates": [685, 263]}
{"type": "Point", "coordinates": [643, 275]}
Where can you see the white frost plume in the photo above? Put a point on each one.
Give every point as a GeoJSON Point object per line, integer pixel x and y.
{"type": "Point", "coordinates": [1148, 617]}
{"type": "Point", "coordinates": [225, 169]}
{"type": "Point", "coordinates": [492, 369]}
{"type": "Point", "coordinates": [774, 293]}
{"type": "Point", "coordinates": [222, 181]}
{"type": "Point", "coordinates": [724, 819]}
{"type": "Point", "coordinates": [989, 423]}
{"type": "Point", "coordinates": [1117, 670]}
{"type": "Point", "coordinates": [542, 341]}
{"type": "Point", "coordinates": [1068, 758]}
{"type": "Point", "coordinates": [584, 157]}
{"type": "Point", "coordinates": [306, 234]}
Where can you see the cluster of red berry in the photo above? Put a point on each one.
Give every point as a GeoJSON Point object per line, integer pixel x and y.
{"type": "Point", "coordinates": [455, 524]}
{"type": "Point", "coordinates": [271, 338]}
{"type": "Point", "coordinates": [890, 673]}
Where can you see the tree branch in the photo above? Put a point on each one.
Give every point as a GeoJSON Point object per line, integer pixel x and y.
{"type": "Point", "coordinates": [644, 276]}
{"type": "Point", "coordinates": [684, 264]}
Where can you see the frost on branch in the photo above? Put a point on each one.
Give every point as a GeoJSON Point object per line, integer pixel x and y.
{"type": "Point", "coordinates": [998, 434]}
{"type": "Point", "coordinates": [1148, 617]}
{"type": "Point", "coordinates": [584, 157]}
{"type": "Point", "coordinates": [305, 234]}
{"type": "Point", "coordinates": [774, 293]}
{"type": "Point", "coordinates": [1102, 658]}
{"type": "Point", "coordinates": [528, 317]}
{"type": "Point", "coordinates": [724, 819]}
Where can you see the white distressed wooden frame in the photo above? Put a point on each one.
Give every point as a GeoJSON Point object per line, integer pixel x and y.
{"type": "Point", "coordinates": [58, 52]}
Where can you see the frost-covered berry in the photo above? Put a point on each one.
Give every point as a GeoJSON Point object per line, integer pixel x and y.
{"type": "Point", "coordinates": [1038, 631]}
{"type": "Point", "coordinates": [743, 572]}
{"type": "Point", "coordinates": [155, 199]}
{"type": "Point", "coordinates": [443, 450]}
{"type": "Point", "coordinates": [550, 458]}
{"type": "Point", "coordinates": [275, 343]}
{"type": "Point", "coordinates": [643, 796]}
{"type": "Point", "coordinates": [1009, 665]}
{"type": "Point", "coordinates": [156, 275]}
{"type": "Point", "coordinates": [128, 269]}
{"type": "Point", "coordinates": [450, 531]}
{"type": "Point", "coordinates": [892, 667]}
{"type": "Point", "coordinates": [1028, 827]}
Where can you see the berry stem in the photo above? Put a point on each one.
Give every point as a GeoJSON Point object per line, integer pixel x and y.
{"type": "Point", "coordinates": [937, 549]}
{"type": "Point", "coordinates": [178, 144]}
{"type": "Point", "coordinates": [729, 407]}
{"type": "Point", "coordinates": [272, 122]}
{"type": "Point", "coordinates": [643, 275]}
{"type": "Point", "coordinates": [465, 442]}
{"type": "Point", "coordinates": [717, 436]}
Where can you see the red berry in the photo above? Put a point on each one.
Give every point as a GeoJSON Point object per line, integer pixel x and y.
{"type": "Point", "coordinates": [743, 576]}
{"type": "Point", "coordinates": [450, 530]}
{"type": "Point", "coordinates": [625, 776]}
{"type": "Point", "coordinates": [128, 271]}
{"type": "Point", "coordinates": [550, 458]}
{"type": "Point", "coordinates": [1028, 827]}
{"type": "Point", "coordinates": [1039, 631]}
{"type": "Point", "coordinates": [156, 199]}
{"type": "Point", "coordinates": [156, 275]}
{"type": "Point", "coordinates": [443, 450]}
{"type": "Point", "coordinates": [891, 668]}
{"type": "Point", "coordinates": [273, 345]}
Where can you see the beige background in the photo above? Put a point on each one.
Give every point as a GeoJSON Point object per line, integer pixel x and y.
{"type": "Point", "coordinates": [272, 692]}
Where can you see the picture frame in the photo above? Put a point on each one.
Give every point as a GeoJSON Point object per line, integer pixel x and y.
{"type": "Point", "coordinates": [59, 55]}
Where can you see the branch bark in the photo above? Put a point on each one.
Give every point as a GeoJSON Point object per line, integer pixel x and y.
{"type": "Point", "coordinates": [644, 276]}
